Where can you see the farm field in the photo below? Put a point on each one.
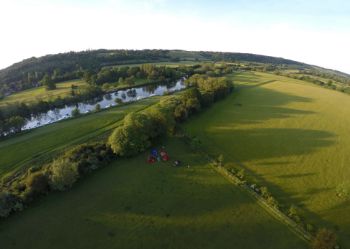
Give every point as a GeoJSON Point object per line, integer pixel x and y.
{"type": "Point", "coordinates": [290, 136]}
{"type": "Point", "coordinates": [40, 93]}
{"type": "Point", "coordinates": [17, 151]}
{"type": "Point", "coordinates": [131, 204]}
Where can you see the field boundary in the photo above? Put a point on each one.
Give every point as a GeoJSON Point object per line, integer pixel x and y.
{"type": "Point", "coordinates": [292, 225]}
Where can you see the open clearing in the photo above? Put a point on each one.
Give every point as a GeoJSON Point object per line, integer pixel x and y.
{"type": "Point", "coordinates": [17, 151]}
{"type": "Point", "coordinates": [290, 136]}
{"type": "Point", "coordinates": [40, 93]}
{"type": "Point", "coordinates": [131, 204]}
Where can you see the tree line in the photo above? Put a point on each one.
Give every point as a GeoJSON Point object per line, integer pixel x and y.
{"type": "Point", "coordinates": [66, 66]}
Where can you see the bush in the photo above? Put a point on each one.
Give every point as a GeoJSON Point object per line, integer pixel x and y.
{"type": "Point", "coordinates": [63, 174]}
{"type": "Point", "coordinates": [272, 201]}
{"type": "Point", "coordinates": [9, 203]}
{"type": "Point", "coordinates": [207, 98]}
{"type": "Point", "coordinates": [75, 112]}
{"type": "Point", "coordinates": [264, 192]}
{"type": "Point", "coordinates": [89, 157]}
{"type": "Point", "coordinates": [324, 239]}
{"type": "Point", "coordinates": [97, 108]}
{"type": "Point", "coordinates": [241, 174]}
{"type": "Point", "coordinates": [180, 113]}
{"type": "Point", "coordinates": [293, 213]}
{"type": "Point", "coordinates": [35, 184]}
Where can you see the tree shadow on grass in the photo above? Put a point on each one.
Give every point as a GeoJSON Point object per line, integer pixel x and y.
{"type": "Point", "coordinates": [296, 175]}
{"type": "Point", "coordinates": [268, 143]}
{"type": "Point", "coordinates": [251, 105]}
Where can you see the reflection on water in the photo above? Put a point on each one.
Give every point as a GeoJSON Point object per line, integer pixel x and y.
{"type": "Point", "coordinates": [106, 101]}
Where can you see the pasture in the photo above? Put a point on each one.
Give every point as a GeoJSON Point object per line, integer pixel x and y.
{"type": "Point", "coordinates": [40, 93]}
{"type": "Point", "coordinates": [132, 204]}
{"type": "Point", "coordinates": [290, 136]}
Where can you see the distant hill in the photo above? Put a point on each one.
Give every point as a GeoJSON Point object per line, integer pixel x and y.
{"type": "Point", "coordinates": [64, 66]}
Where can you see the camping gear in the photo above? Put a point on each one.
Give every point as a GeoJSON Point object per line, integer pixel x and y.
{"type": "Point", "coordinates": [165, 157]}
{"type": "Point", "coordinates": [151, 159]}
{"type": "Point", "coordinates": [154, 152]}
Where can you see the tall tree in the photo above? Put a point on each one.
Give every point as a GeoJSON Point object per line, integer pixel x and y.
{"type": "Point", "coordinates": [48, 82]}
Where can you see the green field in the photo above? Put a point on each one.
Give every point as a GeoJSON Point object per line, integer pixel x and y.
{"type": "Point", "coordinates": [131, 204]}
{"type": "Point", "coordinates": [291, 136]}
{"type": "Point", "coordinates": [16, 152]}
{"type": "Point", "coordinates": [40, 93]}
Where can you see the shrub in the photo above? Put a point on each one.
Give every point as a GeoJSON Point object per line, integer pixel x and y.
{"type": "Point", "coordinates": [9, 203]}
{"type": "Point", "coordinates": [180, 113]}
{"type": "Point", "coordinates": [75, 112]}
{"type": "Point", "coordinates": [207, 98]}
{"type": "Point", "coordinates": [324, 239]}
{"type": "Point", "coordinates": [293, 213]}
{"type": "Point", "coordinates": [89, 157]}
{"type": "Point", "coordinates": [241, 174]}
{"type": "Point", "coordinates": [221, 159]}
{"type": "Point", "coordinates": [35, 184]}
{"type": "Point", "coordinates": [97, 108]}
{"type": "Point", "coordinates": [63, 174]}
{"type": "Point", "coordinates": [264, 192]}
{"type": "Point", "coordinates": [272, 201]}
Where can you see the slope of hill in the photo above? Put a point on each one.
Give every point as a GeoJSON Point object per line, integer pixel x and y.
{"type": "Point", "coordinates": [27, 73]}
{"type": "Point", "coordinates": [291, 136]}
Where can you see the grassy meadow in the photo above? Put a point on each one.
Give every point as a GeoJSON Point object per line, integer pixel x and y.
{"type": "Point", "coordinates": [18, 151]}
{"type": "Point", "coordinates": [40, 93]}
{"type": "Point", "coordinates": [290, 136]}
{"type": "Point", "coordinates": [132, 204]}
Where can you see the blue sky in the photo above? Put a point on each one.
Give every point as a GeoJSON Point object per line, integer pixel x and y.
{"type": "Point", "coordinates": [315, 32]}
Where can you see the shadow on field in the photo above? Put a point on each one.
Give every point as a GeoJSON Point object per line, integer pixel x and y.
{"type": "Point", "coordinates": [253, 144]}
{"type": "Point", "coordinates": [228, 128]}
{"type": "Point", "coordinates": [253, 105]}
{"type": "Point", "coordinates": [296, 175]}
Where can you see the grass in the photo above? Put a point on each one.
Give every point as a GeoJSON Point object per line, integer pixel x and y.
{"type": "Point", "coordinates": [18, 151]}
{"type": "Point", "coordinates": [290, 136]}
{"type": "Point", "coordinates": [131, 204]}
{"type": "Point", "coordinates": [40, 93]}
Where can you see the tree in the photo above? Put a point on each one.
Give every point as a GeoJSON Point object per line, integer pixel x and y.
{"type": "Point", "coordinates": [75, 112]}
{"type": "Point", "coordinates": [48, 82]}
{"type": "Point", "coordinates": [72, 90]}
{"type": "Point", "coordinates": [36, 184]}
{"type": "Point", "coordinates": [134, 136]}
{"type": "Point", "coordinates": [56, 74]}
{"type": "Point", "coordinates": [98, 108]}
{"type": "Point", "coordinates": [8, 203]}
{"type": "Point", "coordinates": [16, 123]}
{"type": "Point", "coordinates": [90, 77]}
{"type": "Point", "coordinates": [118, 101]}
{"type": "Point", "coordinates": [324, 239]}
{"type": "Point", "coordinates": [63, 174]}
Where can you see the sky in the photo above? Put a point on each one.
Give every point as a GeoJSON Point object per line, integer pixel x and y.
{"type": "Point", "coordinates": [314, 32]}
